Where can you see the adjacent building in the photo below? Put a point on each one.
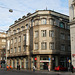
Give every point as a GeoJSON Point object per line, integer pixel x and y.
{"type": "Point", "coordinates": [72, 29]}
{"type": "Point", "coordinates": [2, 49]}
{"type": "Point", "coordinates": [39, 39]}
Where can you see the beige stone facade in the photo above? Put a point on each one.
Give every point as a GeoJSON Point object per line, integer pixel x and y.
{"type": "Point", "coordinates": [72, 29]}
{"type": "Point", "coordinates": [40, 39]}
{"type": "Point", "coordinates": [2, 48]}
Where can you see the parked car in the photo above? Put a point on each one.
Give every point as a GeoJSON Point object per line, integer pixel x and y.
{"type": "Point", "coordinates": [61, 68]}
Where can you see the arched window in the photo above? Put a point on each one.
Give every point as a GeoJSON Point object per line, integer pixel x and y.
{"type": "Point", "coordinates": [36, 22]}
{"type": "Point", "coordinates": [51, 21]}
{"type": "Point", "coordinates": [43, 21]}
{"type": "Point", "coordinates": [62, 25]}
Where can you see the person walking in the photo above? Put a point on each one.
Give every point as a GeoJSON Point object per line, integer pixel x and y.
{"type": "Point", "coordinates": [33, 68]}
{"type": "Point", "coordinates": [72, 68]}
{"type": "Point", "coordinates": [48, 67]}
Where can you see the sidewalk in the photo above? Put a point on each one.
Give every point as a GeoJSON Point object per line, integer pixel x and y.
{"type": "Point", "coordinates": [46, 72]}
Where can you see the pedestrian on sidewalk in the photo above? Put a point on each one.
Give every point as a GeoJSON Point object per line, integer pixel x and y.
{"type": "Point", "coordinates": [49, 68]}
{"type": "Point", "coordinates": [33, 68]}
{"type": "Point", "coordinates": [19, 67]}
{"type": "Point", "coordinates": [72, 68]}
{"type": "Point", "coordinates": [7, 68]}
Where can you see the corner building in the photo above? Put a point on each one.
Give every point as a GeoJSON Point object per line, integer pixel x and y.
{"type": "Point", "coordinates": [40, 39]}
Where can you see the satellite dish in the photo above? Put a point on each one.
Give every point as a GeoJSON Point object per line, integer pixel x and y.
{"type": "Point", "coordinates": [10, 10]}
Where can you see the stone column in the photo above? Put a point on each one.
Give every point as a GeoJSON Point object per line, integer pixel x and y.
{"type": "Point", "coordinates": [38, 62]}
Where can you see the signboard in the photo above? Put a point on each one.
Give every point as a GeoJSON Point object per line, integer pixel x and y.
{"type": "Point", "coordinates": [69, 60]}
{"type": "Point", "coordinates": [44, 61]}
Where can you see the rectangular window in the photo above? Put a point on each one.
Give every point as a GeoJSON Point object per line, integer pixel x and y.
{"type": "Point", "coordinates": [43, 45]}
{"type": "Point", "coordinates": [62, 36]}
{"type": "Point", "coordinates": [43, 33]}
{"type": "Point", "coordinates": [3, 40]}
{"type": "Point", "coordinates": [43, 21]}
{"type": "Point", "coordinates": [24, 48]}
{"type": "Point", "coordinates": [11, 50]}
{"type": "Point", "coordinates": [15, 50]}
{"type": "Point", "coordinates": [19, 48]}
{"type": "Point", "coordinates": [24, 37]}
{"type": "Point", "coordinates": [18, 30]}
{"type": "Point", "coordinates": [62, 47]}
{"type": "Point", "coordinates": [11, 41]}
{"type": "Point", "coordinates": [69, 48]}
{"type": "Point", "coordinates": [15, 40]}
{"type": "Point", "coordinates": [36, 46]}
{"type": "Point", "coordinates": [51, 46]}
{"type": "Point", "coordinates": [26, 26]}
{"type": "Point", "coordinates": [36, 34]}
{"type": "Point", "coordinates": [51, 33]}
{"type": "Point", "coordinates": [19, 39]}
{"type": "Point", "coordinates": [68, 37]}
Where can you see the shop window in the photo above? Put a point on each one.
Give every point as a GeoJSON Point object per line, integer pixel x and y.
{"type": "Point", "coordinates": [43, 45]}
{"type": "Point", "coordinates": [43, 33]}
{"type": "Point", "coordinates": [51, 33]}
{"type": "Point", "coordinates": [43, 21]}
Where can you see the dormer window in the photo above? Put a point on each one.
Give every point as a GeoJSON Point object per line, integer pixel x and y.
{"type": "Point", "coordinates": [43, 21]}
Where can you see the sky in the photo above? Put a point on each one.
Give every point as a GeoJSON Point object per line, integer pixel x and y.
{"type": "Point", "coordinates": [22, 7]}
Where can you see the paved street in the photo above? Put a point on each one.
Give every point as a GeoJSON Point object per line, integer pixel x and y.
{"type": "Point", "coordinates": [15, 72]}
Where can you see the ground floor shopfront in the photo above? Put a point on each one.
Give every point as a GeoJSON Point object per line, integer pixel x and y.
{"type": "Point", "coordinates": [41, 62]}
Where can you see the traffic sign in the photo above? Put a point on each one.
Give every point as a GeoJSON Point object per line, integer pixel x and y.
{"type": "Point", "coordinates": [49, 59]}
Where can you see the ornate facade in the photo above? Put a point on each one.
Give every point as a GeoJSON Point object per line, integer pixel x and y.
{"type": "Point", "coordinates": [40, 39]}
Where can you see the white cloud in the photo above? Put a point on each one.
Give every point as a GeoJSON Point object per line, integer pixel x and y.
{"type": "Point", "coordinates": [7, 18]}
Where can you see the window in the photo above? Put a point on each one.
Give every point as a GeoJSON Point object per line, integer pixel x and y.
{"type": "Point", "coordinates": [62, 25]}
{"type": "Point", "coordinates": [62, 36]}
{"type": "Point", "coordinates": [51, 33]}
{"type": "Point", "coordinates": [11, 41]}
{"type": "Point", "coordinates": [19, 48]}
{"type": "Point", "coordinates": [15, 40]}
{"type": "Point", "coordinates": [51, 22]}
{"type": "Point", "coordinates": [19, 38]}
{"type": "Point", "coordinates": [43, 45]}
{"type": "Point", "coordinates": [24, 48]}
{"type": "Point", "coordinates": [3, 46]}
{"type": "Point", "coordinates": [36, 46]}
{"type": "Point", "coordinates": [14, 31]}
{"type": "Point", "coordinates": [67, 27]}
{"type": "Point", "coordinates": [22, 28]}
{"type": "Point", "coordinates": [51, 46]}
{"type": "Point", "coordinates": [63, 47]}
{"type": "Point", "coordinates": [69, 48]}
{"type": "Point", "coordinates": [18, 29]}
{"type": "Point", "coordinates": [43, 33]}
{"type": "Point", "coordinates": [24, 37]}
{"type": "Point", "coordinates": [11, 50]}
{"type": "Point", "coordinates": [15, 50]}
{"type": "Point", "coordinates": [68, 37]}
{"type": "Point", "coordinates": [3, 40]}
{"type": "Point", "coordinates": [36, 22]}
{"type": "Point", "coordinates": [36, 34]}
{"type": "Point", "coordinates": [26, 26]}
{"type": "Point", "coordinates": [43, 21]}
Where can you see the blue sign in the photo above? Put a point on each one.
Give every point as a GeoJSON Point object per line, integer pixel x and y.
{"type": "Point", "coordinates": [49, 59]}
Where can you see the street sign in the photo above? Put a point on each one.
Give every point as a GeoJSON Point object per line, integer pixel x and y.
{"type": "Point", "coordinates": [49, 59]}
{"type": "Point", "coordinates": [69, 60]}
